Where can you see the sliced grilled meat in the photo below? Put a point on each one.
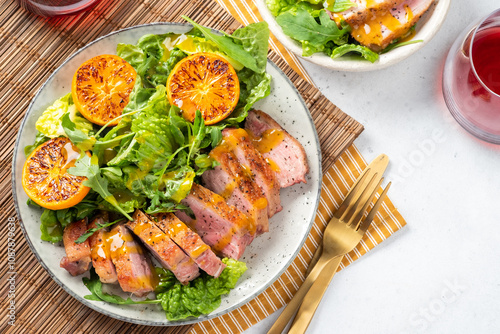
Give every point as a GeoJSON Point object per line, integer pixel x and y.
{"type": "Point", "coordinates": [163, 248]}
{"type": "Point", "coordinates": [382, 22]}
{"type": "Point", "coordinates": [100, 252]}
{"type": "Point", "coordinates": [363, 9]}
{"type": "Point", "coordinates": [256, 166]}
{"type": "Point", "coordinates": [191, 243]}
{"type": "Point", "coordinates": [77, 260]}
{"type": "Point", "coordinates": [221, 226]}
{"type": "Point", "coordinates": [134, 269]}
{"type": "Point", "coordinates": [233, 182]}
{"type": "Point", "coordinates": [284, 153]}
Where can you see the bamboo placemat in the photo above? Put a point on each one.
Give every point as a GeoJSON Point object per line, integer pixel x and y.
{"type": "Point", "coordinates": [31, 48]}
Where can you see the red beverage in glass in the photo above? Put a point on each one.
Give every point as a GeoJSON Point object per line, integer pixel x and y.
{"type": "Point", "coordinates": [471, 79]}
{"type": "Point", "coordinates": [486, 57]}
{"type": "Point", "coordinates": [57, 7]}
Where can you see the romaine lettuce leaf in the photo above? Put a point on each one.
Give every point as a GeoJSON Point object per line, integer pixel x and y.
{"type": "Point", "coordinates": [201, 296]}
{"type": "Point", "coordinates": [49, 123]}
{"type": "Point", "coordinates": [338, 6]}
{"type": "Point", "coordinates": [253, 87]}
{"type": "Point", "coordinates": [278, 6]}
{"type": "Point", "coordinates": [50, 227]}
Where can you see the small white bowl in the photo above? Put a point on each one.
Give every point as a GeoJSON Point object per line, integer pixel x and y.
{"type": "Point", "coordinates": [427, 27]}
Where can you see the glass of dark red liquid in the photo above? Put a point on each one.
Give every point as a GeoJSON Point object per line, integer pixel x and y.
{"type": "Point", "coordinates": [57, 7]}
{"type": "Point", "coordinates": [471, 78]}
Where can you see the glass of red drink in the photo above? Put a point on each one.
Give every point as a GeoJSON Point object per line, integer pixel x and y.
{"type": "Point", "coordinates": [471, 78]}
{"type": "Point", "coordinates": [56, 7]}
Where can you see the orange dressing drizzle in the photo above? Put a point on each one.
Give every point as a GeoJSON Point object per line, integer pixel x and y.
{"type": "Point", "coordinates": [70, 154]}
{"type": "Point", "coordinates": [269, 140]}
{"type": "Point", "coordinates": [371, 31]}
{"type": "Point", "coordinates": [120, 244]}
{"type": "Point", "coordinates": [409, 13]}
{"type": "Point", "coordinates": [151, 238]}
{"type": "Point", "coordinates": [274, 166]}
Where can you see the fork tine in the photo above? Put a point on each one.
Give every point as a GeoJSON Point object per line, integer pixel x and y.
{"type": "Point", "coordinates": [367, 199]}
{"type": "Point", "coordinates": [350, 212]}
{"type": "Point", "coordinates": [363, 226]}
{"type": "Point", "coordinates": [352, 193]}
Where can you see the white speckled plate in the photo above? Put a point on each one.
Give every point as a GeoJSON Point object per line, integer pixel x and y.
{"type": "Point", "coordinates": [267, 257]}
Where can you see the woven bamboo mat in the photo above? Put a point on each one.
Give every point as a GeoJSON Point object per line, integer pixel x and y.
{"type": "Point", "coordinates": [31, 48]}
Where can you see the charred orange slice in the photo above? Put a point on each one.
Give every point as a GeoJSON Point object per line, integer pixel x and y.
{"type": "Point", "coordinates": [46, 180]}
{"type": "Point", "coordinates": [205, 82]}
{"type": "Point", "coordinates": [101, 88]}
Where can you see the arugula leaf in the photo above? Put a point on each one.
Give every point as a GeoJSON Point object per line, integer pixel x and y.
{"type": "Point", "coordinates": [302, 26]}
{"type": "Point", "coordinates": [91, 231]}
{"type": "Point", "coordinates": [364, 51]}
{"type": "Point", "coordinates": [178, 184]}
{"type": "Point", "coordinates": [227, 45]}
{"type": "Point", "coordinates": [89, 167]}
{"type": "Point", "coordinates": [95, 287]}
{"type": "Point", "coordinates": [152, 44]}
{"type": "Point", "coordinates": [338, 6]}
{"type": "Point", "coordinates": [40, 138]}
{"type": "Point", "coordinates": [77, 136]}
{"type": "Point", "coordinates": [192, 44]}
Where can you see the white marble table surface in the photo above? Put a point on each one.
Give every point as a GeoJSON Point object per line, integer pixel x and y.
{"type": "Point", "coordinates": [441, 273]}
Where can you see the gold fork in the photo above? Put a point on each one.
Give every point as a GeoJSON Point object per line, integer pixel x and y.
{"type": "Point", "coordinates": [336, 241]}
{"type": "Point", "coordinates": [315, 294]}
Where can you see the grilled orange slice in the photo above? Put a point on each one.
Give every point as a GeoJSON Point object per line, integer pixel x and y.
{"type": "Point", "coordinates": [101, 88]}
{"type": "Point", "coordinates": [45, 179]}
{"type": "Point", "coordinates": [205, 82]}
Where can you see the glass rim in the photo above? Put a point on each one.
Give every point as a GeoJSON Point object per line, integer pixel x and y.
{"type": "Point", "coordinates": [494, 13]}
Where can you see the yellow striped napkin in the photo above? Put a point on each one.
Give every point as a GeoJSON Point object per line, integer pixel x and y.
{"type": "Point", "coordinates": [336, 183]}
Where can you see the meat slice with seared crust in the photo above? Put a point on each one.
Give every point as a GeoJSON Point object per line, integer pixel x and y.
{"type": "Point", "coordinates": [77, 260]}
{"type": "Point", "coordinates": [100, 253]}
{"type": "Point", "coordinates": [133, 268]}
{"type": "Point", "coordinates": [191, 243]}
{"type": "Point", "coordinates": [383, 22]}
{"type": "Point", "coordinates": [363, 10]}
{"type": "Point", "coordinates": [163, 248]}
{"type": "Point", "coordinates": [233, 182]}
{"type": "Point", "coordinates": [256, 166]}
{"type": "Point", "coordinates": [221, 226]}
{"type": "Point", "coordinates": [283, 152]}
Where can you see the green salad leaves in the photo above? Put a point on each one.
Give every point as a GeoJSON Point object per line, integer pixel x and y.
{"type": "Point", "coordinates": [309, 23]}
{"type": "Point", "coordinates": [200, 296]}
{"type": "Point", "coordinates": [152, 157]}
